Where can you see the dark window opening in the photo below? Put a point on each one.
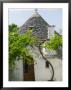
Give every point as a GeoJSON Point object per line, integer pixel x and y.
{"type": "Point", "coordinates": [47, 64]}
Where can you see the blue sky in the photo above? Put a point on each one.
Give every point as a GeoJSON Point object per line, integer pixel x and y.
{"type": "Point", "coordinates": [51, 16]}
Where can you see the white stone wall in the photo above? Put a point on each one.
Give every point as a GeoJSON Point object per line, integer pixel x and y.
{"type": "Point", "coordinates": [42, 73]}
{"type": "Point", "coordinates": [57, 65]}
{"type": "Point", "coordinates": [17, 73]}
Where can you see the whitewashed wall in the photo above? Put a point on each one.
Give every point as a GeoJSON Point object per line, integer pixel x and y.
{"type": "Point", "coordinates": [42, 73]}
{"type": "Point", "coordinates": [57, 65]}
{"type": "Point", "coordinates": [50, 31]}
{"type": "Point", "coordinates": [17, 73]}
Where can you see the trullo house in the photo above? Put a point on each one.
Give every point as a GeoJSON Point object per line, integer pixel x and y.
{"type": "Point", "coordinates": [40, 70]}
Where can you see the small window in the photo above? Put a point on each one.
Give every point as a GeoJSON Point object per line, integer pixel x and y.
{"type": "Point", "coordinates": [31, 27]}
{"type": "Point", "coordinates": [47, 64]}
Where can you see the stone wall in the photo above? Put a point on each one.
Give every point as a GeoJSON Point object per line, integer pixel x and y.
{"type": "Point", "coordinates": [43, 73]}
{"type": "Point", "coordinates": [16, 74]}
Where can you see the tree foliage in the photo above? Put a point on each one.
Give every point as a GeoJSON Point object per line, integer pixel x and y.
{"type": "Point", "coordinates": [54, 42]}
{"type": "Point", "coordinates": [18, 45]}
{"type": "Point", "coordinates": [13, 28]}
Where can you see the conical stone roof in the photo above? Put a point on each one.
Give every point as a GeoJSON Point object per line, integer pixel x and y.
{"type": "Point", "coordinates": [38, 24]}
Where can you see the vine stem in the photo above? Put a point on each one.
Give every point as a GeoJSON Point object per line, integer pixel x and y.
{"type": "Point", "coordinates": [48, 63]}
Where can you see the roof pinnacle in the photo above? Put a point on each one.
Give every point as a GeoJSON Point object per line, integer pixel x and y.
{"type": "Point", "coordinates": [36, 10]}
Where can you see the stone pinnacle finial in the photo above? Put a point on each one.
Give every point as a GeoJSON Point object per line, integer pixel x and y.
{"type": "Point", "coordinates": [36, 10]}
{"type": "Point", "coordinates": [35, 13]}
